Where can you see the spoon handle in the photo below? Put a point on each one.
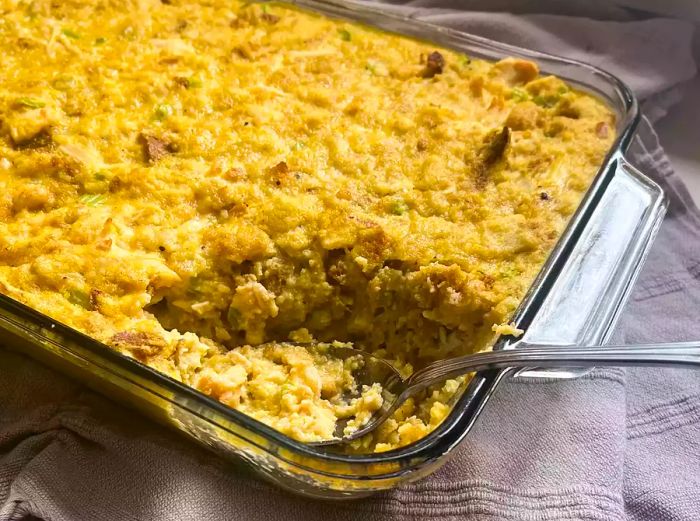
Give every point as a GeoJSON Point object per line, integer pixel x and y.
{"type": "Point", "coordinates": [679, 354]}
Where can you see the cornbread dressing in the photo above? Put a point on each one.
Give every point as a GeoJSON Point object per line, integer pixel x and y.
{"type": "Point", "coordinates": [184, 181]}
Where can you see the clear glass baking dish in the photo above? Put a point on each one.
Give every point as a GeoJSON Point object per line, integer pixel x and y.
{"type": "Point", "coordinates": [575, 299]}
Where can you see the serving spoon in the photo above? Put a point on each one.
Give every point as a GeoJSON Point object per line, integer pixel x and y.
{"type": "Point", "coordinates": [396, 390]}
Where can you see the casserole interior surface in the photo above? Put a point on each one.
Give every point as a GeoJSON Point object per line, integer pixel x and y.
{"type": "Point", "coordinates": [184, 180]}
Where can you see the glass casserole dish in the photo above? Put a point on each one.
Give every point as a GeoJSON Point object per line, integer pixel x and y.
{"type": "Point", "coordinates": [598, 253]}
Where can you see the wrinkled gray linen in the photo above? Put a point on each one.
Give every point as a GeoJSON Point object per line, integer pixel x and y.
{"type": "Point", "coordinates": [614, 445]}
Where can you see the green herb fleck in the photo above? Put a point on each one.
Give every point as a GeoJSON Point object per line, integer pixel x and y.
{"type": "Point", "coordinates": [163, 111]}
{"type": "Point", "coordinates": [563, 89]}
{"type": "Point", "coordinates": [79, 298]}
{"type": "Point", "coordinates": [398, 207]}
{"type": "Point", "coordinates": [63, 83]}
{"type": "Point", "coordinates": [464, 60]}
{"type": "Point", "coordinates": [31, 103]}
{"type": "Point", "coordinates": [100, 176]}
{"type": "Point", "coordinates": [92, 199]}
{"type": "Point", "coordinates": [509, 272]}
{"type": "Point", "coordinates": [194, 83]}
{"type": "Point", "coordinates": [100, 40]}
{"type": "Point", "coordinates": [519, 94]}
{"type": "Point", "coordinates": [345, 35]}
{"type": "Point", "coordinates": [443, 336]}
{"type": "Point", "coordinates": [233, 317]}
{"type": "Point", "coordinates": [298, 145]}
{"type": "Point", "coordinates": [70, 33]}
{"type": "Point", "coordinates": [287, 388]}
{"type": "Point", "coordinates": [371, 68]}
{"type": "Point", "coordinates": [547, 101]}
{"type": "Point", "coordinates": [264, 8]}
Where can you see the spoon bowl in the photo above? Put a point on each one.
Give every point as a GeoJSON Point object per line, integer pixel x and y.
{"type": "Point", "coordinates": [370, 370]}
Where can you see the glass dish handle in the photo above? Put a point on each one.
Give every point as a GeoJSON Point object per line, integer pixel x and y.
{"type": "Point", "coordinates": [584, 303]}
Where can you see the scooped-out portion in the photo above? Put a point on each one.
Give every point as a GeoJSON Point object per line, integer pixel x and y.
{"type": "Point", "coordinates": [185, 181]}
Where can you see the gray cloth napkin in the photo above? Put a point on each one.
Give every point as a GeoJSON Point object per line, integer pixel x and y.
{"type": "Point", "coordinates": [613, 445]}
